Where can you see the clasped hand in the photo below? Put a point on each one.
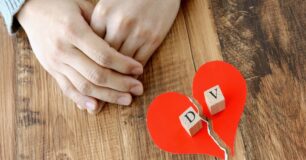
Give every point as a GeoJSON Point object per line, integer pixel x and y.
{"type": "Point", "coordinates": [94, 52]}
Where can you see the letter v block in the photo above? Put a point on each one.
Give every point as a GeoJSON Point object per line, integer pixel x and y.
{"type": "Point", "coordinates": [191, 121]}
{"type": "Point", "coordinates": [215, 100]}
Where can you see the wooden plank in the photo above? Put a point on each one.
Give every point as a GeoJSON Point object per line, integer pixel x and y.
{"type": "Point", "coordinates": [202, 32]}
{"type": "Point", "coordinates": [266, 40]}
{"type": "Point", "coordinates": [240, 40]}
{"type": "Point", "coordinates": [31, 102]}
{"type": "Point", "coordinates": [7, 110]}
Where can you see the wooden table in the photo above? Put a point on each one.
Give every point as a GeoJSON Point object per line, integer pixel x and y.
{"type": "Point", "coordinates": [265, 39]}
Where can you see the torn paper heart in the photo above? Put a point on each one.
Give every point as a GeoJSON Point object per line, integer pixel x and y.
{"type": "Point", "coordinates": [163, 113]}
{"type": "Point", "coordinates": [167, 131]}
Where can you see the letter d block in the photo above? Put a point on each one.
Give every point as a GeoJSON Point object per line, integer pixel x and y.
{"type": "Point", "coordinates": [191, 121]}
{"type": "Point", "coordinates": [215, 100]}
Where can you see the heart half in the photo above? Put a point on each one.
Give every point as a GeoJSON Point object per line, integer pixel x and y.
{"type": "Point", "coordinates": [234, 89]}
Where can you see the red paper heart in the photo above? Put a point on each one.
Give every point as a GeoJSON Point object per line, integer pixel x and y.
{"type": "Point", "coordinates": [163, 113]}
{"type": "Point", "coordinates": [234, 89]}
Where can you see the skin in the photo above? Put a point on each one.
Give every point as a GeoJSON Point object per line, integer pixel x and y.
{"type": "Point", "coordinates": [134, 27]}
{"type": "Point", "coordinates": [86, 68]}
{"type": "Point", "coordinates": [94, 53]}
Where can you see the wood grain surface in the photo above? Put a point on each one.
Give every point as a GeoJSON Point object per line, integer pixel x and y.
{"type": "Point", "coordinates": [264, 39]}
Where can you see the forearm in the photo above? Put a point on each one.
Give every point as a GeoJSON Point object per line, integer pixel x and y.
{"type": "Point", "coordinates": [8, 9]}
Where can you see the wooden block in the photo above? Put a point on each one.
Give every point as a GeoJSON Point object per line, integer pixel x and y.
{"type": "Point", "coordinates": [191, 121]}
{"type": "Point", "coordinates": [214, 100]}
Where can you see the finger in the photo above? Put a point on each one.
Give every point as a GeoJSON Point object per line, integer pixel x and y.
{"type": "Point", "coordinates": [86, 8]}
{"type": "Point", "coordinates": [144, 53]}
{"type": "Point", "coordinates": [101, 76]}
{"type": "Point", "coordinates": [83, 102]}
{"type": "Point", "coordinates": [89, 89]}
{"type": "Point", "coordinates": [98, 110]}
{"type": "Point", "coordinates": [100, 52]}
{"type": "Point", "coordinates": [117, 31]}
{"type": "Point", "coordinates": [131, 45]}
{"type": "Point", "coordinates": [98, 21]}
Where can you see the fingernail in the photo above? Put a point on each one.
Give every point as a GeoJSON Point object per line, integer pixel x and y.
{"type": "Point", "coordinates": [124, 100]}
{"type": "Point", "coordinates": [137, 90]}
{"type": "Point", "coordinates": [94, 112]}
{"type": "Point", "coordinates": [80, 107]}
{"type": "Point", "coordinates": [137, 71]}
{"type": "Point", "coordinates": [90, 106]}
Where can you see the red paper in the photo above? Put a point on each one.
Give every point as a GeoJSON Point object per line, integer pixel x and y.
{"type": "Point", "coordinates": [167, 132]}
{"type": "Point", "coordinates": [233, 87]}
{"type": "Point", "coordinates": [163, 113]}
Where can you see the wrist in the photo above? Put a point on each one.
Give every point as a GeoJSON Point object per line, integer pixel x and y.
{"type": "Point", "coordinates": [23, 13]}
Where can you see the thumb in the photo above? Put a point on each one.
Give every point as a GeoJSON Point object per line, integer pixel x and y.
{"type": "Point", "coordinates": [87, 9]}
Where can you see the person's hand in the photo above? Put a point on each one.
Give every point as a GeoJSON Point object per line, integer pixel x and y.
{"type": "Point", "coordinates": [134, 27]}
{"type": "Point", "coordinates": [86, 68]}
